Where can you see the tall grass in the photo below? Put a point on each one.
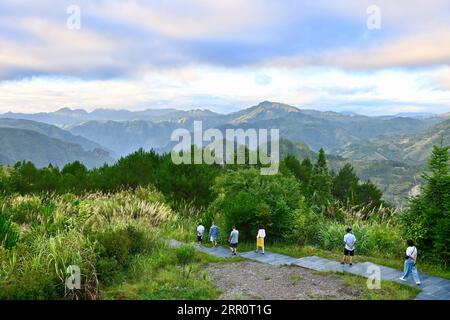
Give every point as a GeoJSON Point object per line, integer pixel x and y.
{"type": "Point", "coordinates": [373, 238]}
{"type": "Point", "coordinates": [87, 231]}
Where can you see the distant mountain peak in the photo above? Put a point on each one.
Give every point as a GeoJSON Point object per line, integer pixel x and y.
{"type": "Point", "coordinates": [263, 111]}
{"type": "Point", "coordinates": [64, 109]}
{"type": "Point", "coordinates": [201, 112]}
{"type": "Point", "coordinates": [349, 113]}
{"type": "Point", "coordinates": [414, 114]}
{"type": "Point", "coordinates": [277, 105]}
{"type": "Point", "coordinates": [67, 110]}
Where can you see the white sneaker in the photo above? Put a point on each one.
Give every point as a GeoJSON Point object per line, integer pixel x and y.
{"type": "Point", "coordinates": [401, 278]}
{"type": "Point", "coordinates": [418, 283]}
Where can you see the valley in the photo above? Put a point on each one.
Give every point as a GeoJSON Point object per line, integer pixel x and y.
{"type": "Point", "coordinates": [391, 151]}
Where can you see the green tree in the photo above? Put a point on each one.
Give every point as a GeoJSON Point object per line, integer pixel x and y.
{"type": "Point", "coordinates": [370, 196]}
{"type": "Point", "coordinates": [246, 198]}
{"type": "Point", "coordinates": [428, 219]}
{"type": "Point", "coordinates": [293, 165]}
{"type": "Point", "coordinates": [24, 176]}
{"type": "Point", "coordinates": [345, 184]}
{"type": "Point", "coordinates": [321, 184]}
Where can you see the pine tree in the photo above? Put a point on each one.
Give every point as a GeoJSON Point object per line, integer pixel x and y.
{"type": "Point", "coordinates": [293, 165]}
{"type": "Point", "coordinates": [428, 219]}
{"type": "Point", "coordinates": [306, 169]}
{"type": "Point", "coordinates": [321, 183]}
{"type": "Point", "coordinates": [345, 184]}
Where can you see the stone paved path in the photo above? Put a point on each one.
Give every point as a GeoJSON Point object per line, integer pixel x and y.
{"type": "Point", "coordinates": [432, 288]}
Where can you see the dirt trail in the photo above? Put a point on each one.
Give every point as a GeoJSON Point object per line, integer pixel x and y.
{"type": "Point", "coordinates": [253, 280]}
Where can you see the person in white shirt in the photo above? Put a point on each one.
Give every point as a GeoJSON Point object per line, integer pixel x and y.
{"type": "Point", "coordinates": [349, 249]}
{"type": "Point", "coordinates": [234, 240]}
{"type": "Point", "coordinates": [200, 233]}
{"type": "Point", "coordinates": [410, 263]}
{"type": "Point", "coordinates": [260, 239]}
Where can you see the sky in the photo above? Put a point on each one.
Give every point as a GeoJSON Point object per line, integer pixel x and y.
{"type": "Point", "coordinates": [225, 55]}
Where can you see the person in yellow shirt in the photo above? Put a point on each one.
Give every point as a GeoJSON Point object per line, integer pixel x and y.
{"type": "Point", "coordinates": [260, 238]}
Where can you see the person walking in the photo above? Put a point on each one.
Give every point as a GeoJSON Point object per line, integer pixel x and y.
{"type": "Point", "coordinates": [410, 263]}
{"type": "Point", "coordinates": [213, 234]}
{"type": "Point", "coordinates": [349, 249]}
{"type": "Point", "coordinates": [260, 238]}
{"type": "Point", "coordinates": [234, 240]}
{"type": "Point", "coordinates": [200, 233]}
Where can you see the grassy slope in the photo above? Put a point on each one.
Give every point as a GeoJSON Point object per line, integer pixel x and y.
{"type": "Point", "coordinates": [158, 277]}
{"type": "Point", "coordinates": [388, 290]}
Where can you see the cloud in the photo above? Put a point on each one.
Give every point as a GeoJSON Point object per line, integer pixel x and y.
{"type": "Point", "coordinates": [225, 90]}
{"type": "Point", "coordinates": [223, 54]}
{"type": "Point", "coordinates": [263, 79]}
{"type": "Point", "coordinates": [418, 50]}
{"type": "Point", "coordinates": [196, 19]}
{"type": "Point", "coordinates": [52, 48]}
{"type": "Point", "coordinates": [120, 38]}
{"type": "Point", "coordinates": [441, 79]}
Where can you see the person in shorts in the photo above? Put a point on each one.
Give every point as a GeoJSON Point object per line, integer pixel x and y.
{"type": "Point", "coordinates": [200, 233]}
{"type": "Point", "coordinates": [234, 240]}
{"type": "Point", "coordinates": [213, 234]}
{"type": "Point", "coordinates": [349, 248]}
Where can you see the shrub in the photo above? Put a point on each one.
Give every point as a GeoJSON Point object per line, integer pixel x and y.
{"type": "Point", "coordinates": [116, 247]}
{"type": "Point", "coordinates": [32, 285]}
{"type": "Point", "coordinates": [247, 199]}
{"type": "Point", "coordinates": [138, 240]}
{"type": "Point", "coordinates": [306, 224]}
{"type": "Point", "coordinates": [24, 209]}
{"type": "Point", "coordinates": [100, 233]}
{"type": "Point", "coordinates": [9, 232]}
{"type": "Point", "coordinates": [372, 238]}
{"type": "Point", "coordinates": [37, 269]}
{"type": "Point", "coordinates": [185, 255]}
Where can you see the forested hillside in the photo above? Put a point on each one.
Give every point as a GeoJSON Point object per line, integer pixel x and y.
{"type": "Point", "coordinates": [18, 145]}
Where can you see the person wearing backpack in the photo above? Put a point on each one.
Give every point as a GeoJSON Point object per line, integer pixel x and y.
{"type": "Point", "coordinates": [410, 263]}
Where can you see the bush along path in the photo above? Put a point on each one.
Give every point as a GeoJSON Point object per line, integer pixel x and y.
{"type": "Point", "coordinates": [433, 288]}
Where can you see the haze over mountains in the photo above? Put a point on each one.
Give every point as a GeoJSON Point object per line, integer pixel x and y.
{"type": "Point", "coordinates": [66, 117]}
{"type": "Point", "coordinates": [19, 144]}
{"type": "Point", "coordinates": [380, 148]}
{"type": "Point", "coordinates": [124, 131]}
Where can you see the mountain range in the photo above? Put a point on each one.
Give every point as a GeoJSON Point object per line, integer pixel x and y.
{"type": "Point", "coordinates": [390, 150]}
{"type": "Point", "coordinates": [412, 149]}
{"type": "Point", "coordinates": [28, 145]}
{"type": "Point", "coordinates": [66, 117]}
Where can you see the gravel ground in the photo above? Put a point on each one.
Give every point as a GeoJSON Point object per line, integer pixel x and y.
{"type": "Point", "coordinates": [253, 281]}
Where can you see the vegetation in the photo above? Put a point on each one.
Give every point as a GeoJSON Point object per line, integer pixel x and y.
{"type": "Point", "coordinates": [427, 221]}
{"type": "Point", "coordinates": [388, 290]}
{"type": "Point", "coordinates": [100, 233]}
{"type": "Point", "coordinates": [113, 221]}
